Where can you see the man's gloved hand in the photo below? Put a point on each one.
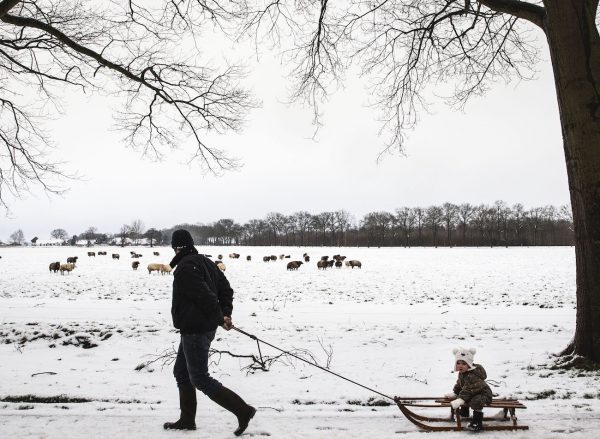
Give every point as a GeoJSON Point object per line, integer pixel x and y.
{"type": "Point", "coordinates": [227, 323]}
{"type": "Point", "coordinates": [450, 395]}
{"type": "Point", "coordinates": [457, 403]}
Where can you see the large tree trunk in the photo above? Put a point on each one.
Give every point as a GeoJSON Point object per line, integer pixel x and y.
{"type": "Point", "coordinates": [575, 51]}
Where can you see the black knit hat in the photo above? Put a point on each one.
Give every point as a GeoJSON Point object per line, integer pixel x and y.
{"type": "Point", "coordinates": [181, 238]}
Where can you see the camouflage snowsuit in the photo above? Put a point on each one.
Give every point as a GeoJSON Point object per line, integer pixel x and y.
{"type": "Point", "coordinates": [472, 388]}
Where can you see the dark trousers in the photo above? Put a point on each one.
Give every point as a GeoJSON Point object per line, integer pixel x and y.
{"type": "Point", "coordinates": [191, 365]}
{"type": "Point", "coordinates": [478, 401]}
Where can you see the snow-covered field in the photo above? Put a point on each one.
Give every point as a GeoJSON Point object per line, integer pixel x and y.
{"type": "Point", "coordinates": [390, 326]}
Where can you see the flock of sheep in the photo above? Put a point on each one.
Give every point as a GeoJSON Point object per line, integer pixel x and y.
{"type": "Point", "coordinates": [323, 264]}
{"type": "Point", "coordinates": [72, 263]}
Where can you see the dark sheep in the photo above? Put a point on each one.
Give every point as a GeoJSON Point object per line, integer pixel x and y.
{"type": "Point", "coordinates": [338, 264]}
{"type": "Point", "coordinates": [135, 265]}
{"type": "Point", "coordinates": [156, 253]}
{"type": "Point", "coordinates": [322, 264]}
{"type": "Point", "coordinates": [266, 258]}
{"type": "Point", "coordinates": [248, 258]}
{"type": "Point", "coordinates": [72, 259]}
{"type": "Point", "coordinates": [330, 263]}
{"type": "Point", "coordinates": [115, 256]}
{"type": "Point", "coordinates": [273, 257]}
{"type": "Point", "coordinates": [324, 258]}
{"type": "Point", "coordinates": [92, 254]}
{"type": "Point", "coordinates": [287, 256]}
{"type": "Point", "coordinates": [306, 258]}
{"type": "Point", "coordinates": [54, 266]}
{"type": "Point", "coordinates": [220, 257]}
{"type": "Point", "coordinates": [354, 263]}
{"type": "Point", "coordinates": [294, 265]}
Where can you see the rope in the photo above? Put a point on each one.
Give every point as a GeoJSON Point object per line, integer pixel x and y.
{"type": "Point", "coordinates": [258, 341]}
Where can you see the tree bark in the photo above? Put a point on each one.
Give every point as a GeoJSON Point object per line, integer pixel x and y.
{"type": "Point", "coordinates": [575, 52]}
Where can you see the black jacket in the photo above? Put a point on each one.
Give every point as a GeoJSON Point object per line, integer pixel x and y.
{"type": "Point", "coordinates": [201, 295]}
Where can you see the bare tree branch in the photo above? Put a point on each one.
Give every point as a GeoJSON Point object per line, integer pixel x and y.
{"type": "Point", "coordinates": [169, 94]}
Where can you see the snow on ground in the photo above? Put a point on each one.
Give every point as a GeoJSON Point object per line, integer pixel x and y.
{"type": "Point", "coordinates": [390, 326]}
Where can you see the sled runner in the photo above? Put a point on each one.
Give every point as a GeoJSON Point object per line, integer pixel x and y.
{"type": "Point", "coordinates": [508, 406]}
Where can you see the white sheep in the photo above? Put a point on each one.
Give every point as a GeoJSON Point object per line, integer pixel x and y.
{"type": "Point", "coordinates": [66, 267]}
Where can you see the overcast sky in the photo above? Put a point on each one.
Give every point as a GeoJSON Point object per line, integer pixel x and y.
{"type": "Point", "coordinates": [506, 146]}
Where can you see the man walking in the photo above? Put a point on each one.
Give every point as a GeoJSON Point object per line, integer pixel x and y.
{"type": "Point", "coordinates": [202, 300]}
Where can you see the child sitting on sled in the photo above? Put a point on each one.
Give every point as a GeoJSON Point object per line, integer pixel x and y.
{"type": "Point", "coordinates": [470, 389]}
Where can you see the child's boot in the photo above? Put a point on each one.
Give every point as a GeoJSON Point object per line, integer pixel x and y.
{"type": "Point", "coordinates": [476, 423]}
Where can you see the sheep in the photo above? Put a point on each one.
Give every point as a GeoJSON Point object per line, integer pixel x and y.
{"type": "Point", "coordinates": [324, 258]}
{"type": "Point", "coordinates": [72, 260]}
{"type": "Point", "coordinates": [330, 263]}
{"type": "Point", "coordinates": [165, 269]}
{"type": "Point", "coordinates": [101, 253]}
{"type": "Point", "coordinates": [338, 264]}
{"type": "Point", "coordinates": [287, 256]}
{"type": "Point", "coordinates": [322, 264]}
{"type": "Point", "coordinates": [136, 255]}
{"type": "Point", "coordinates": [115, 256]}
{"type": "Point", "coordinates": [135, 265]}
{"type": "Point", "coordinates": [347, 263]}
{"type": "Point", "coordinates": [354, 263]}
{"type": "Point", "coordinates": [154, 267]}
{"type": "Point", "coordinates": [156, 253]}
{"type": "Point", "coordinates": [281, 257]}
{"type": "Point", "coordinates": [92, 254]}
{"type": "Point", "coordinates": [221, 265]}
{"type": "Point", "coordinates": [339, 258]}
{"type": "Point", "coordinates": [304, 255]}
{"type": "Point", "coordinates": [294, 265]}
{"type": "Point", "coordinates": [266, 258]}
{"type": "Point", "coordinates": [234, 255]}
{"type": "Point", "coordinates": [54, 266]}
{"type": "Point", "coordinates": [248, 258]}
{"type": "Point", "coordinates": [273, 257]}
{"type": "Point", "coordinates": [66, 267]}
{"type": "Point", "coordinates": [306, 258]}
{"type": "Point", "coordinates": [220, 257]}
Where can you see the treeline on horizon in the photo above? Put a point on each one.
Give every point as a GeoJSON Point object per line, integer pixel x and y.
{"type": "Point", "coordinates": [445, 225]}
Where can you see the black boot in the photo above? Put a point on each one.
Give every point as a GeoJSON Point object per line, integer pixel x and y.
{"type": "Point", "coordinates": [187, 405]}
{"type": "Point", "coordinates": [476, 422]}
{"type": "Point", "coordinates": [464, 411]}
{"type": "Point", "coordinates": [231, 401]}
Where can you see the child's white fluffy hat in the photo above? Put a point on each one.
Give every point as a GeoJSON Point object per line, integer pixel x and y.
{"type": "Point", "coordinates": [466, 355]}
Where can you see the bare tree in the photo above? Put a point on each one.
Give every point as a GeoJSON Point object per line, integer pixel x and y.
{"type": "Point", "coordinates": [141, 55]}
{"type": "Point", "coordinates": [518, 219]}
{"type": "Point", "coordinates": [17, 237]}
{"type": "Point", "coordinates": [465, 211]}
{"type": "Point", "coordinates": [405, 217]}
{"type": "Point", "coordinates": [433, 218]}
{"type": "Point", "coordinates": [59, 234]}
{"type": "Point", "coordinates": [136, 230]}
{"type": "Point", "coordinates": [449, 214]}
{"type": "Point", "coordinates": [124, 234]}
{"type": "Point", "coordinates": [343, 219]}
{"type": "Point", "coordinates": [303, 220]}
{"type": "Point", "coordinates": [407, 47]}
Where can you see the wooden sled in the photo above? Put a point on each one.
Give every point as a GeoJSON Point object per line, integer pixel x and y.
{"type": "Point", "coordinates": [509, 407]}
